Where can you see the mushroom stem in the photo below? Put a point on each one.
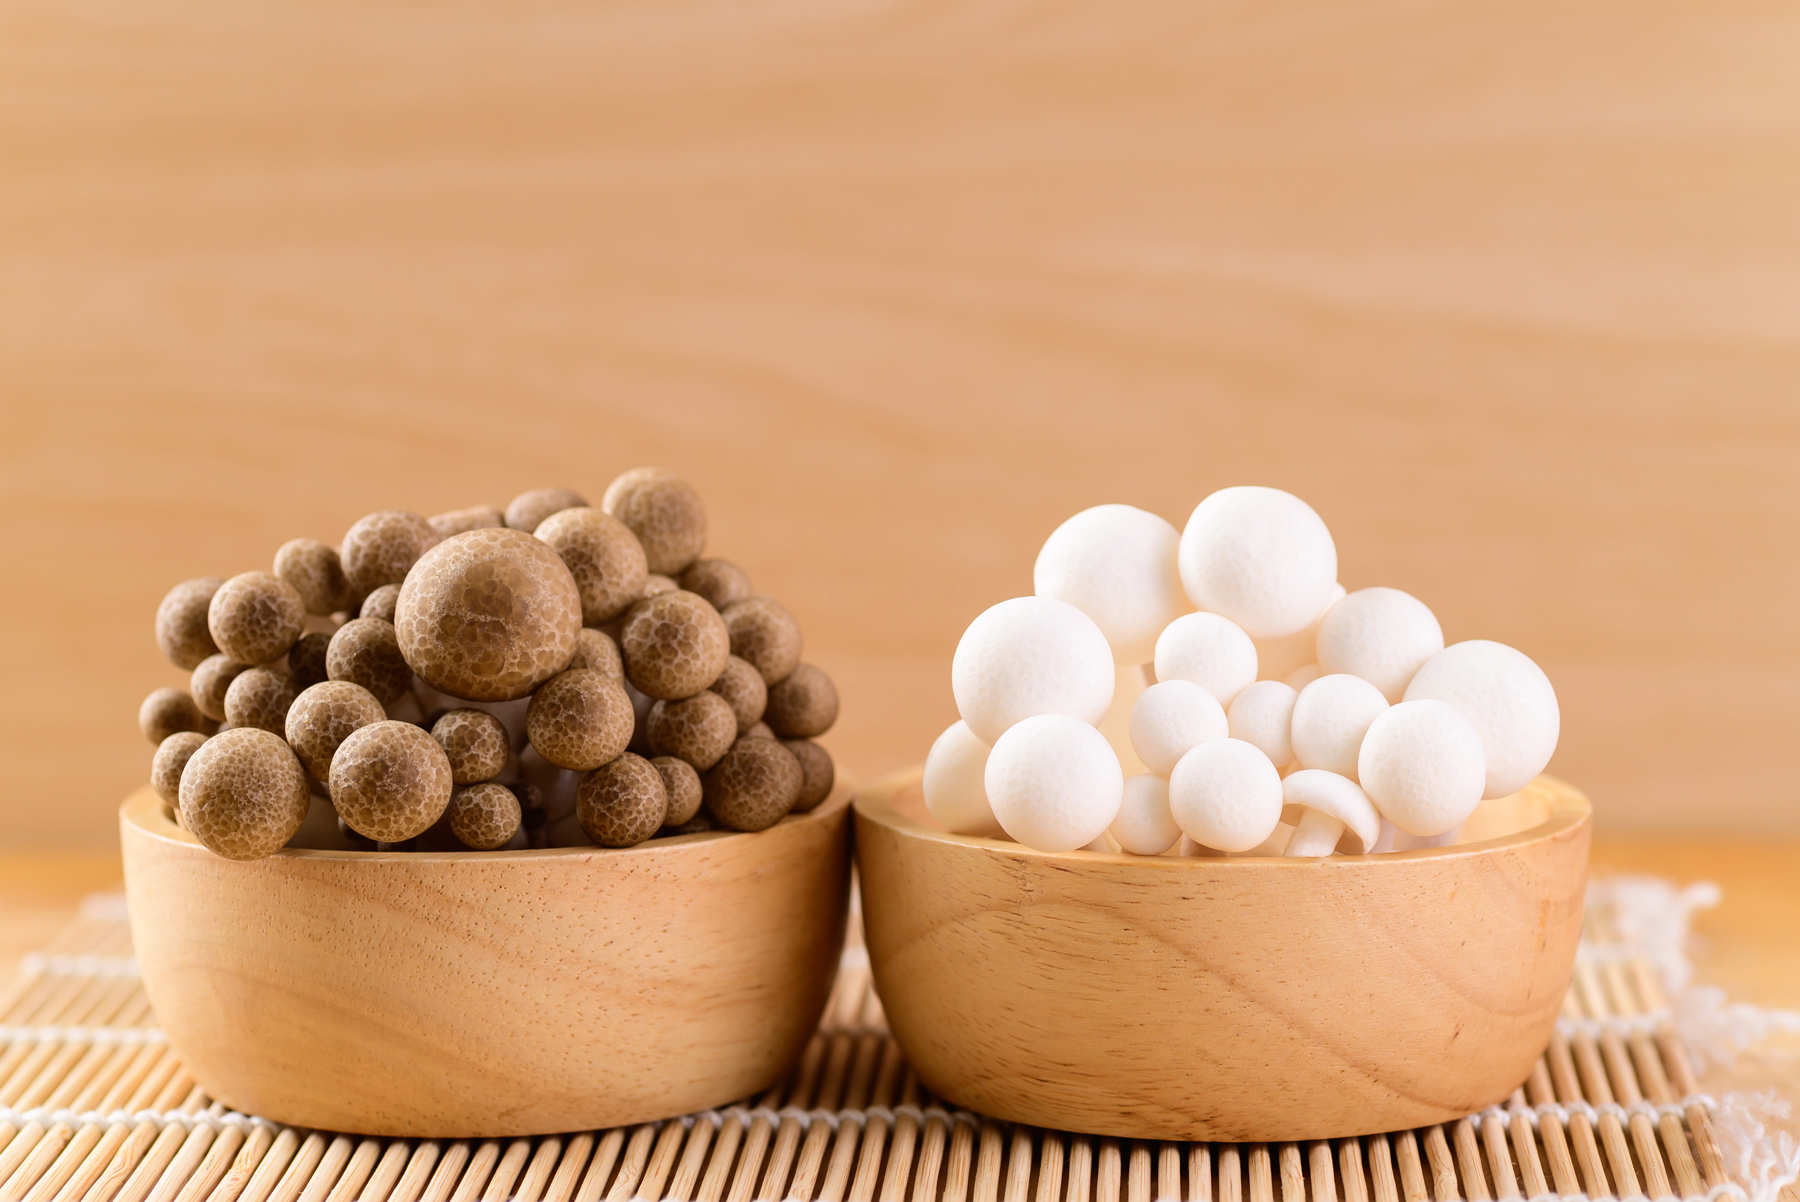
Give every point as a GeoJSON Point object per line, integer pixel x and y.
{"type": "Point", "coordinates": [1316, 835]}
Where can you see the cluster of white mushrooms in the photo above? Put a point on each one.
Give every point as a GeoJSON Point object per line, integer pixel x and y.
{"type": "Point", "coordinates": [548, 675]}
{"type": "Point", "coordinates": [1258, 708]}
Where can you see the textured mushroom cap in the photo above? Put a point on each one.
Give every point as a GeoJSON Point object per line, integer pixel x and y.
{"type": "Point", "coordinates": [754, 785]}
{"type": "Point", "coordinates": [260, 697]}
{"type": "Point", "coordinates": [622, 803]}
{"type": "Point", "coordinates": [817, 773]}
{"type": "Point", "coordinates": [181, 630]}
{"type": "Point", "coordinates": [1263, 716]}
{"type": "Point", "coordinates": [580, 719]}
{"type": "Point", "coordinates": [210, 682]}
{"type": "Point", "coordinates": [366, 651]}
{"type": "Point", "coordinates": [765, 634]}
{"type": "Point", "coordinates": [604, 557]}
{"type": "Point", "coordinates": [1054, 782]}
{"type": "Point", "coordinates": [1423, 765]}
{"type": "Point", "coordinates": [476, 743]}
{"type": "Point", "coordinates": [595, 649]}
{"type": "Point", "coordinates": [1212, 651]}
{"type": "Point", "coordinates": [243, 794]}
{"type": "Point", "coordinates": [693, 826]}
{"type": "Point", "coordinates": [682, 786]}
{"type": "Point", "coordinates": [698, 729]}
{"type": "Point", "coordinates": [172, 755]}
{"type": "Point", "coordinates": [1225, 794]}
{"type": "Point", "coordinates": [484, 816]}
{"type": "Point", "coordinates": [461, 521]}
{"type": "Point", "coordinates": [1028, 656]}
{"type": "Point", "coordinates": [760, 731]}
{"type": "Point", "coordinates": [1260, 557]}
{"type": "Point", "coordinates": [1171, 718]}
{"type": "Point", "coordinates": [528, 510]}
{"type": "Point", "coordinates": [255, 617]}
{"type": "Point", "coordinates": [323, 716]}
{"type": "Point", "coordinates": [315, 571]}
{"type": "Point", "coordinates": [1506, 698]}
{"type": "Point", "coordinates": [955, 783]}
{"type": "Point", "coordinates": [381, 603]}
{"type": "Point", "coordinates": [489, 615]}
{"type": "Point", "coordinates": [169, 711]}
{"type": "Point", "coordinates": [718, 580]}
{"type": "Point", "coordinates": [306, 659]}
{"type": "Point", "coordinates": [675, 645]}
{"type": "Point", "coordinates": [665, 513]}
{"type": "Point", "coordinates": [1380, 634]}
{"type": "Point", "coordinates": [1116, 564]}
{"type": "Point", "coordinates": [1331, 715]}
{"type": "Point", "coordinates": [656, 583]}
{"type": "Point", "coordinates": [382, 547]}
{"type": "Point", "coordinates": [804, 705]}
{"type": "Point", "coordinates": [1338, 796]}
{"type": "Point", "coordinates": [1144, 826]}
{"type": "Point", "coordinates": [390, 781]}
{"type": "Point", "coordinates": [743, 689]}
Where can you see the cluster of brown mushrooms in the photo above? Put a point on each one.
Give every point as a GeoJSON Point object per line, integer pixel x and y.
{"type": "Point", "coordinates": [550, 675]}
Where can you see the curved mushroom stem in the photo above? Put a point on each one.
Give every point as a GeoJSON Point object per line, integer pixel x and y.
{"type": "Point", "coordinates": [1317, 835]}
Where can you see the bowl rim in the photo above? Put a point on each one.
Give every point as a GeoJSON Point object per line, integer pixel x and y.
{"type": "Point", "coordinates": [143, 810]}
{"type": "Point", "coordinates": [1569, 809]}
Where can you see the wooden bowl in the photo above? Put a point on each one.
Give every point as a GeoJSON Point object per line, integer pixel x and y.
{"type": "Point", "coordinates": [1229, 999]}
{"type": "Point", "coordinates": [465, 994]}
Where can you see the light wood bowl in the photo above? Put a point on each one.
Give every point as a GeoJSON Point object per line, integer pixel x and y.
{"type": "Point", "coordinates": [1229, 999]}
{"type": "Point", "coordinates": [465, 994]}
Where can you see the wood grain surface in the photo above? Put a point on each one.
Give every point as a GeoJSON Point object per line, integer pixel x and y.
{"type": "Point", "coordinates": [1510, 293]}
{"type": "Point", "coordinates": [681, 974]}
{"type": "Point", "coordinates": [1209, 998]}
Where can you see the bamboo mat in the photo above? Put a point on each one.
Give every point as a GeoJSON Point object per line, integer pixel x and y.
{"type": "Point", "coordinates": [95, 1107]}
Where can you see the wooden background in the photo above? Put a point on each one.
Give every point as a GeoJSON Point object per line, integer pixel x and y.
{"type": "Point", "coordinates": [1509, 292]}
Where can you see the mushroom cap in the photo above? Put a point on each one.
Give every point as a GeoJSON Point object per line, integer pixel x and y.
{"type": "Point", "coordinates": [656, 583]}
{"type": "Point", "coordinates": [1225, 794]}
{"type": "Point", "coordinates": [1423, 766]}
{"type": "Point", "coordinates": [621, 803]}
{"type": "Point", "coordinates": [1169, 719]}
{"type": "Point", "coordinates": [323, 716]}
{"type": "Point", "coordinates": [817, 773]}
{"type": "Point", "coordinates": [1380, 634]}
{"type": "Point", "coordinates": [1338, 796]}
{"type": "Point", "coordinates": [260, 697]}
{"type": "Point", "coordinates": [366, 651]}
{"type": "Point", "coordinates": [243, 794]}
{"type": "Point", "coordinates": [476, 743]}
{"type": "Point", "coordinates": [484, 816]}
{"type": "Point", "coordinates": [172, 755]}
{"type": "Point", "coordinates": [1116, 564]}
{"type": "Point", "coordinates": [316, 572]}
{"type": "Point", "coordinates": [675, 645]}
{"type": "Point", "coordinates": [488, 615]}
{"type": "Point", "coordinates": [602, 555]}
{"type": "Point", "coordinates": [1054, 782]}
{"type": "Point", "coordinates": [382, 547]}
{"type": "Point", "coordinates": [754, 785]}
{"type": "Point", "coordinates": [718, 580]}
{"type": "Point", "coordinates": [306, 659]}
{"type": "Point", "coordinates": [1029, 656]}
{"type": "Point", "coordinates": [698, 729]}
{"type": "Point", "coordinates": [381, 603]}
{"type": "Point", "coordinates": [765, 634]}
{"type": "Point", "coordinates": [211, 681]}
{"type": "Point", "coordinates": [1263, 716]}
{"type": "Point", "coordinates": [804, 705]}
{"type": "Point", "coordinates": [181, 630]}
{"type": "Point", "coordinates": [580, 719]}
{"type": "Point", "coordinates": [1331, 715]}
{"type": "Point", "coordinates": [390, 781]}
{"type": "Point", "coordinates": [596, 649]}
{"type": "Point", "coordinates": [1211, 650]}
{"type": "Point", "coordinates": [681, 784]}
{"type": "Point", "coordinates": [1144, 826]}
{"type": "Point", "coordinates": [461, 521]}
{"type": "Point", "coordinates": [742, 687]}
{"type": "Point", "coordinates": [528, 510]}
{"type": "Point", "coordinates": [255, 617]}
{"type": "Point", "coordinates": [1506, 698]}
{"type": "Point", "coordinates": [168, 711]}
{"type": "Point", "coordinates": [955, 783]}
{"type": "Point", "coordinates": [665, 513]}
{"type": "Point", "coordinates": [1260, 557]}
